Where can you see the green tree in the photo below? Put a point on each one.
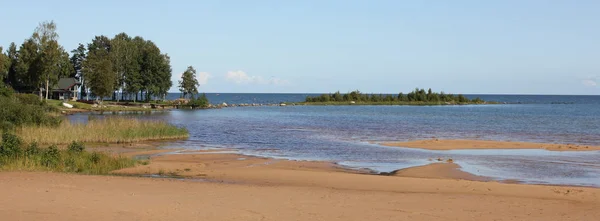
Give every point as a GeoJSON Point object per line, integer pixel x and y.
{"type": "Point", "coordinates": [151, 65]}
{"type": "Point", "coordinates": [97, 68]}
{"type": "Point", "coordinates": [133, 76]}
{"type": "Point", "coordinates": [164, 76]}
{"type": "Point", "coordinates": [27, 67]}
{"type": "Point", "coordinates": [11, 78]}
{"type": "Point", "coordinates": [4, 65]}
{"type": "Point", "coordinates": [51, 55]}
{"type": "Point", "coordinates": [122, 58]}
{"type": "Point", "coordinates": [188, 85]}
{"type": "Point", "coordinates": [77, 59]}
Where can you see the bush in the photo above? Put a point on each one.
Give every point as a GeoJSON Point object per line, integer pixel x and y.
{"type": "Point", "coordinates": [14, 112]}
{"type": "Point", "coordinates": [29, 99]}
{"type": "Point", "coordinates": [11, 145]}
{"type": "Point", "coordinates": [32, 150]}
{"type": "Point", "coordinates": [53, 159]}
{"type": "Point", "coordinates": [201, 101]}
{"type": "Point", "coordinates": [76, 147]}
{"type": "Point", "coordinates": [51, 156]}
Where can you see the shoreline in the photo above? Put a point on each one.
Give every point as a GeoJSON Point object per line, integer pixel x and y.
{"type": "Point", "coordinates": [209, 185]}
{"type": "Point", "coordinates": [441, 144]}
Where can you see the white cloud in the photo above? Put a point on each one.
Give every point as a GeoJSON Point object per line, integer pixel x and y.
{"type": "Point", "coordinates": [203, 77]}
{"type": "Point", "coordinates": [240, 77]}
{"type": "Point", "coordinates": [590, 82]}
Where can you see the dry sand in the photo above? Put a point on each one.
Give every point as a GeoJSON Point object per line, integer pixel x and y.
{"type": "Point", "coordinates": [235, 187]}
{"type": "Point", "coordinates": [435, 144]}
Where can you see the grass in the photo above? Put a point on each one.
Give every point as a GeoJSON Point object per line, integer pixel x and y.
{"type": "Point", "coordinates": [15, 156]}
{"type": "Point", "coordinates": [105, 130]}
{"type": "Point", "coordinates": [107, 106]}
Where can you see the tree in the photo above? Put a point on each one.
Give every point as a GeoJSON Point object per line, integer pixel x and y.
{"type": "Point", "coordinates": [164, 76]}
{"type": "Point", "coordinates": [133, 76]}
{"type": "Point", "coordinates": [50, 53]}
{"type": "Point", "coordinates": [97, 68]}
{"type": "Point", "coordinates": [4, 65]}
{"type": "Point", "coordinates": [11, 79]}
{"type": "Point", "coordinates": [188, 83]}
{"type": "Point", "coordinates": [27, 67]}
{"type": "Point", "coordinates": [122, 58]}
{"type": "Point", "coordinates": [99, 75]}
{"type": "Point", "coordinates": [77, 59]}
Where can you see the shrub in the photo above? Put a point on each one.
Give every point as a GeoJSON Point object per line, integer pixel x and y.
{"type": "Point", "coordinates": [51, 156]}
{"type": "Point", "coordinates": [15, 113]}
{"type": "Point", "coordinates": [29, 99]}
{"type": "Point", "coordinates": [11, 145]}
{"type": "Point", "coordinates": [76, 147]}
{"type": "Point", "coordinates": [32, 149]}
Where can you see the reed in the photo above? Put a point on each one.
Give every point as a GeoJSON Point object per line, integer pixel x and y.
{"type": "Point", "coordinates": [15, 156]}
{"type": "Point", "coordinates": [106, 130]}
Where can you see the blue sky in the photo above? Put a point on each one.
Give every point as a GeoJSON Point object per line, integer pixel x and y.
{"type": "Point", "coordinates": [499, 47]}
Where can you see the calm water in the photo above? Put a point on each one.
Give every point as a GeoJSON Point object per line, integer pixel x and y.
{"type": "Point", "coordinates": [349, 135]}
{"type": "Point", "coordinates": [258, 98]}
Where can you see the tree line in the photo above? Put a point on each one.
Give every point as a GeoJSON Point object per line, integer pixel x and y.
{"type": "Point", "coordinates": [133, 67]}
{"type": "Point", "coordinates": [415, 96]}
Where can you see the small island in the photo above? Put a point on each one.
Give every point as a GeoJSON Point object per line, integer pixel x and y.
{"type": "Point", "coordinates": [416, 97]}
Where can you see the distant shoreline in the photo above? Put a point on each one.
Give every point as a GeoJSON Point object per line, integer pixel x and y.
{"type": "Point", "coordinates": [435, 144]}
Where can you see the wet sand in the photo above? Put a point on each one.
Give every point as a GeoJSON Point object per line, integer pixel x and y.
{"type": "Point", "coordinates": [435, 144]}
{"type": "Point", "coordinates": [236, 187]}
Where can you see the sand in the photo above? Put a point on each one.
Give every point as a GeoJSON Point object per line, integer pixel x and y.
{"type": "Point", "coordinates": [236, 187]}
{"type": "Point", "coordinates": [435, 144]}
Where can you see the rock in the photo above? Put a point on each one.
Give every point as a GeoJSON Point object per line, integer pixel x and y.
{"type": "Point", "coordinates": [224, 104]}
{"type": "Point", "coordinates": [353, 102]}
{"type": "Point", "coordinates": [282, 104]}
{"type": "Point", "coordinates": [94, 105]}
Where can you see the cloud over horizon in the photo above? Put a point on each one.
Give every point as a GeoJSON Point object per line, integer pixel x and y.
{"type": "Point", "coordinates": [240, 77]}
{"type": "Point", "coordinates": [203, 77]}
{"type": "Point", "coordinates": [590, 82]}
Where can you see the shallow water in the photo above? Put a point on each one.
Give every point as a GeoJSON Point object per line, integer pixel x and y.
{"type": "Point", "coordinates": [348, 135]}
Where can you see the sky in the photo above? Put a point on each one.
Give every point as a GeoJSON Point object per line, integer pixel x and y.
{"type": "Point", "coordinates": [459, 46]}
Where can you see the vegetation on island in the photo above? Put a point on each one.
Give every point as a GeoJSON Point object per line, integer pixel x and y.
{"type": "Point", "coordinates": [188, 86]}
{"type": "Point", "coordinates": [416, 97]}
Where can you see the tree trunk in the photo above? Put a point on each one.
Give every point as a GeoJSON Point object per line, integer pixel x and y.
{"type": "Point", "coordinates": [47, 82]}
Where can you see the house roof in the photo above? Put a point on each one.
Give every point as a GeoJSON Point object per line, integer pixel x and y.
{"type": "Point", "coordinates": [66, 83]}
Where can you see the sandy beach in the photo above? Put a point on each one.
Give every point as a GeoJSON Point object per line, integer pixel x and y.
{"type": "Point", "coordinates": [214, 186]}
{"type": "Point", "coordinates": [436, 144]}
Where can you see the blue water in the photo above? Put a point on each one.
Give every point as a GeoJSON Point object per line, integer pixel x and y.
{"type": "Point", "coordinates": [261, 98]}
{"type": "Point", "coordinates": [349, 135]}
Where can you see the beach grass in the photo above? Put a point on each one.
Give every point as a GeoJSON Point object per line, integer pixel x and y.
{"type": "Point", "coordinates": [105, 130]}
{"type": "Point", "coordinates": [15, 155]}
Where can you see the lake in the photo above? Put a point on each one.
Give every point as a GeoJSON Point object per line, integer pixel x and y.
{"type": "Point", "coordinates": [349, 135]}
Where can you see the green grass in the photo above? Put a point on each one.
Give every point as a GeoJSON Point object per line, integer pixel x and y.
{"type": "Point", "coordinates": [107, 106]}
{"type": "Point", "coordinates": [106, 130]}
{"type": "Point", "coordinates": [16, 156]}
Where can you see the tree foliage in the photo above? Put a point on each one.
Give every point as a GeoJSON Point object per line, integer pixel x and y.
{"type": "Point", "coordinates": [417, 96]}
{"type": "Point", "coordinates": [188, 85]}
{"type": "Point", "coordinates": [98, 70]}
{"type": "Point", "coordinates": [133, 65]}
{"type": "Point", "coordinates": [4, 65]}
